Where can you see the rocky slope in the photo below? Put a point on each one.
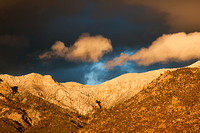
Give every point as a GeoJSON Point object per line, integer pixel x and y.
{"type": "Point", "coordinates": [29, 113]}
{"type": "Point", "coordinates": [73, 97]}
{"type": "Point", "coordinates": [36, 103]}
{"type": "Point", "coordinates": [171, 103]}
{"type": "Point", "coordinates": [82, 98]}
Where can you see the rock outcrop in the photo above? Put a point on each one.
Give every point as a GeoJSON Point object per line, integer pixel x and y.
{"type": "Point", "coordinates": [29, 113]}
{"type": "Point", "coordinates": [4, 87]}
{"type": "Point", "coordinates": [75, 97]}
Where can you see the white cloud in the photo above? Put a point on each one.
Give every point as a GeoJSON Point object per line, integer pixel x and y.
{"type": "Point", "coordinates": [87, 48]}
{"type": "Point", "coordinates": [172, 47]}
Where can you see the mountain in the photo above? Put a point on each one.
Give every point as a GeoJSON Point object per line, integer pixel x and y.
{"type": "Point", "coordinates": [36, 103]}
{"type": "Point", "coordinates": [170, 103]}
{"type": "Point", "coordinates": [82, 98]}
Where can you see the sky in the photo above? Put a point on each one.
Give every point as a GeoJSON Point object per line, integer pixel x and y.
{"type": "Point", "coordinates": [92, 41]}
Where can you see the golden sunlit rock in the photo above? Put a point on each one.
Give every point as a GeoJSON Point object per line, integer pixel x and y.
{"type": "Point", "coordinates": [165, 100]}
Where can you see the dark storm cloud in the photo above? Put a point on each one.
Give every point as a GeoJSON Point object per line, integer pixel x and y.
{"type": "Point", "coordinates": [129, 25]}
{"type": "Point", "coordinates": [183, 15]}
{"type": "Point", "coordinates": [34, 25]}
{"type": "Point", "coordinates": [14, 41]}
{"type": "Point", "coordinates": [114, 19]}
{"type": "Point", "coordinates": [31, 17]}
{"type": "Point", "coordinates": [12, 48]}
{"type": "Point", "coordinates": [23, 30]}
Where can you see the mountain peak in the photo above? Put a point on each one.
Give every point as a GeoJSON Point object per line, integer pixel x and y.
{"type": "Point", "coordinates": [196, 64]}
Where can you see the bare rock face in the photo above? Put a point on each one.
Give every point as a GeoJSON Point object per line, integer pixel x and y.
{"type": "Point", "coordinates": [83, 99]}
{"type": "Point", "coordinates": [70, 97]}
{"type": "Point", "coordinates": [28, 113]}
{"type": "Point", "coordinates": [124, 87]}
{"type": "Point", "coordinates": [36, 103]}
{"type": "Point", "coordinates": [4, 87]}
